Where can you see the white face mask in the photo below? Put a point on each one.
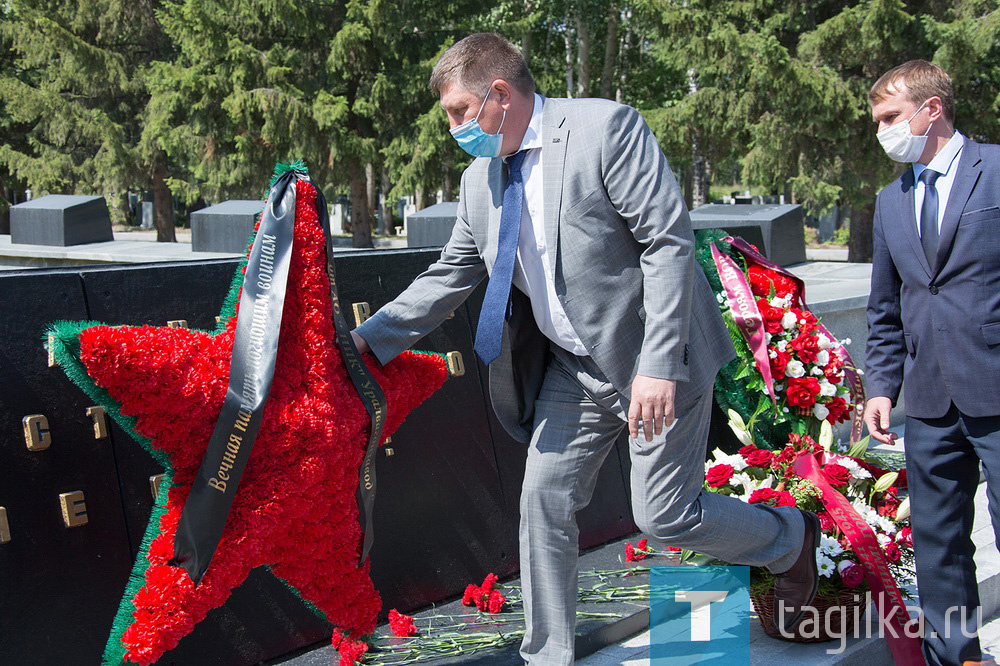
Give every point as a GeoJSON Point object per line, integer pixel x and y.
{"type": "Point", "coordinates": [900, 143]}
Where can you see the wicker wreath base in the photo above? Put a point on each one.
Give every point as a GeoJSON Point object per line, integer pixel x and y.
{"type": "Point", "coordinates": [836, 616]}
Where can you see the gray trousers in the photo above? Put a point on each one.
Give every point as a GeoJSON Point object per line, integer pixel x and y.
{"type": "Point", "coordinates": [578, 417]}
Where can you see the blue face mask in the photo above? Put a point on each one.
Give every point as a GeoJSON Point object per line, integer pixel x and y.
{"type": "Point", "coordinates": [474, 140]}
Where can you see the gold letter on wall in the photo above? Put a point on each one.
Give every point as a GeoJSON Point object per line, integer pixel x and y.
{"type": "Point", "coordinates": [362, 311]}
{"type": "Point", "coordinates": [36, 432]}
{"type": "Point", "coordinates": [456, 365]}
{"type": "Point", "coordinates": [154, 485]}
{"type": "Point", "coordinates": [100, 418]}
{"type": "Point", "coordinates": [4, 526]}
{"type": "Point", "coordinates": [74, 508]}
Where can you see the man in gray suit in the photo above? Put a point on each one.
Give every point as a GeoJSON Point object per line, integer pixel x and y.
{"type": "Point", "coordinates": [595, 318]}
{"type": "Point", "coordinates": [934, 326]}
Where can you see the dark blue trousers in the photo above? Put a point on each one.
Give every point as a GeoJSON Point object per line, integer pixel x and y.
{"type": "Point", "coordinates": [942, 465]}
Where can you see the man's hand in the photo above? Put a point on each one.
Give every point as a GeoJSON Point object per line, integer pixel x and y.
{"type": "Point", "coordinates": [360, 343]}
{"type": "Point", "coordinates": [652, 401]}
{"type": "Point", "coordinates": [877, 419]}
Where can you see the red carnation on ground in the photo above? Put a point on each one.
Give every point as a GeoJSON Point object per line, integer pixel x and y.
{"type": "Point", "coordinates": [401, 625]}
{"type": "Point", "coordinates": [836, 475]}
{"type": "Point", "coordinates": [496, 602]}
{"type": "Point", "coordinates": [852, 575]}
{"type": "Point", "coordinates": [719, 475]}
{"type": "Point", "coordinates": [806, 345]}
{"type": "Point", "coordinates": [468, 599]}
{"type": "Point", "coordinates": [839, 410]}
{"type": "Point", "coordinates": [802, 391]}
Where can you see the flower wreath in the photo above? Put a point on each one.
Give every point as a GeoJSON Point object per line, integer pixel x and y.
{"type": "Point", "coordinates": [295, 509]}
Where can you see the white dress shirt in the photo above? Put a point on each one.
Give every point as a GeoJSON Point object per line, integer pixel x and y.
{"type": "Point", "coordinates": [532, 271]}
{"type": "Point", "coordinates": [946, 164]}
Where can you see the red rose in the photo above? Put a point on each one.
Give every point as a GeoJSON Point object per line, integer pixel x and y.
{"type": "Point", "coordinates": [771, 316]}
{"type": "Point", "coordinates": [401, 625]}
{"type": "Point", "coordinates": [760, 281]}
{"type": "Point", "coordinates": [836, 475]}
{"type": "Point", "coordinates": [852, 575]}
{"type": "Point", "coordinates": [496, 602]}
{"type": "Point", "coordinates": [759, 458]}
{"type": "Point", "coordinates": [802, 391]}
{"type": "Point", "coordinates": [826, 522]}
{"type": "Point", "coordinates": [778, 362]}
{"type": "Point", "coordinates": [784, 498]}
{"type": "Point", "coordinates": [762, 496]}
{"type": "Point", "coordinates": [839, 410]}
{"type": "Point", "coordinates": [806, 345]}
{"type": "Point", "coordinates": [719, 475]}
{"type": "Point", "coordinates": [905, 537]}
{"type": "Point", "coordinates": [805, 320]}
{"type": "Point", "coordinates": [892, 552]}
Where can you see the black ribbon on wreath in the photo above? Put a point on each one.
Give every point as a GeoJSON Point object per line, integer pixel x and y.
{"type": "Point", "coordinates": [255, 349]}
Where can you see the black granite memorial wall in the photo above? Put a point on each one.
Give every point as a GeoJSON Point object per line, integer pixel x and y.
{"type": "Point", "coordinates": [446, 512]}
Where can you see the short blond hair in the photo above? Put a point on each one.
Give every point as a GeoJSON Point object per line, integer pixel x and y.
{"type": "Point", "coordinates": [919, 80]}
{"type": "Point", "coordinates": [477, 60]}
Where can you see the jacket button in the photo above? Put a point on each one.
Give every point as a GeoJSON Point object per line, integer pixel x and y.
{"type": "Point", "coordinates": [934, 289]}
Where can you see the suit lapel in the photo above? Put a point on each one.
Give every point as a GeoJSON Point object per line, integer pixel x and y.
{"type": "Point", "coordinates": [965, 180]}
{"type": "Point", "coordinates": [554, 139]}
{"type": "Point", "coordinates": [908, 205]}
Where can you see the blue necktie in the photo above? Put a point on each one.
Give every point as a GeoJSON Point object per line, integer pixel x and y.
{"type": "Point", "coordinates": [929, 216]}
{"type": "Point", "coordinates": [491, 318]}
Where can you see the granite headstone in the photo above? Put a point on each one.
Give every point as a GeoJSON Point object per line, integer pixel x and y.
{"type": "Point", "coordinates": [60, 219]}
{"type": "Point", "coordinates": [224, 227]}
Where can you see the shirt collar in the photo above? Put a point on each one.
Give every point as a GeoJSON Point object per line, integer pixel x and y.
{"type": "Point", "coordinates": [533, 135]}
{"type": "Point", "coordinates": [943, 161]}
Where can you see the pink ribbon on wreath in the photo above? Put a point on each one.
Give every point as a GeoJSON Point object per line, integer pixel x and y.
{"type": "Point", "coordinates": [745, 313]}
{"type": "Point", "coordinates": [850, 370]}
{"type": "Point", "coordinates": [905, 648]}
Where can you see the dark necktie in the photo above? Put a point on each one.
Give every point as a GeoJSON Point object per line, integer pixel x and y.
{"type": "Point", "coordinates": [929, 215]}
{"type": "Point", "coordinates": [491, 318]}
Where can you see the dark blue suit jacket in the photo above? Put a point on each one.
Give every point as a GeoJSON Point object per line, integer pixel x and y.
{"type": "Point", "coordinates": [936, 329]}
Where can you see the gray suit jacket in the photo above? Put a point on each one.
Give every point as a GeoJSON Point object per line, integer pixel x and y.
{"type": "Point", "coordinates": [936, 328]}
{"type": "Point", "coordinates": [622, 251]}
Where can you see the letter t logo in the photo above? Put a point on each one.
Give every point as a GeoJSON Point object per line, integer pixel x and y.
{"type": "Point", "coordinates": [701, 612]}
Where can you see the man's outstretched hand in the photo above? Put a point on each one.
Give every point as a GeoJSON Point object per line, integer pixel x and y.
{"type": "Point", "coordinates": [360, 343]}
{"type": "Point", "coordinates": [652, 402]}
{"type": "Point", "coordinates": [877, 419]}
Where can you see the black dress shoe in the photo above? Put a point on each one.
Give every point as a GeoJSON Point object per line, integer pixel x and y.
{"type": "Point", "coordinates": [796, 588]}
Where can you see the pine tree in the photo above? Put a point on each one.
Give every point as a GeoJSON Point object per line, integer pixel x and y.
{"type": "Point", "coordinates": [79, 91]}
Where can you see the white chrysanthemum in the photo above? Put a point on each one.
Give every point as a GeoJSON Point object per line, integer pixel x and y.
{"type": "Point", "coordinates": [788, 321]}
{"type": "Point", "coordinates": [782, 345]}
{"type": "Point", "coordinates": [856, 470]}
{"type": "Point", "coordinates": [795, 369]}
{"type": "Point", "coordinates": [883, 539]}
{"type": "Point", "coordinates": [825, 565]}
{"type": "Point", "coordinates": [820, 411]}
{"type": "Point", "coordinates": [823, 342]}
{"type": "Point", "coordinates": [719, 458]}
{"type": "Point", "coordinates": [822, 357]}
{"type": "Point", "coordinates": [830, 546]}
{"type": "Point", "coordinates": [827, 389]}
{"type": "Point", "coordinates": [885, 524]}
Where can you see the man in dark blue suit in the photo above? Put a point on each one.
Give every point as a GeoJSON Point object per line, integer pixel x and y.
{"type": "Point", "coordinates": [934, 327]}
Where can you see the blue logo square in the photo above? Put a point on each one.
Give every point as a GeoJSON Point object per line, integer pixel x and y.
{"type": "Point", "coordinates": [700, 615]}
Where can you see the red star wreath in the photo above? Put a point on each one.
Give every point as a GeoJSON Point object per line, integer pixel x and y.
{"type": "Point", "coordinates": [295, 509]}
